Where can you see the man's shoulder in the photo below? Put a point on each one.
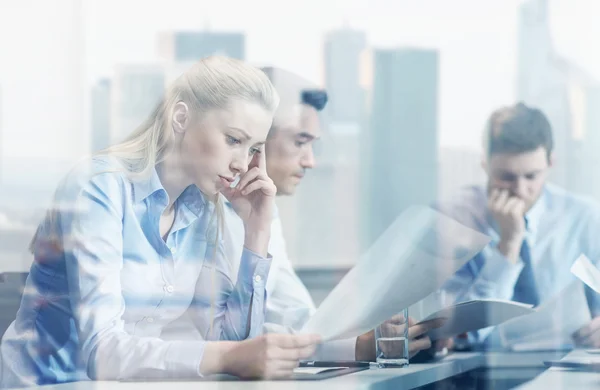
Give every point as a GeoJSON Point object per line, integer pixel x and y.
{"type": "Point", "coordinates": [570, 203]}
{"type": "Point", "coordinates": [467, 206]}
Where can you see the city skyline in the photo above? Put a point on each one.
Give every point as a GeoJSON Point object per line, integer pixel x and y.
{"type": "Point", "coordinates": [468, 68]}
{"type": "Point", "coordinates": [476, 43]}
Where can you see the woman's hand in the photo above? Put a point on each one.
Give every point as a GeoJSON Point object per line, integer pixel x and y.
{"type": "Point", "coordinates": [269, 356]}
{"type": "Point", "coordinates": [253, 199]}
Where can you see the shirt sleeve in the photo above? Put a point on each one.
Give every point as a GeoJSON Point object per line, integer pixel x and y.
{"type": "Point", "coordinates": [241, 314]}
{"type": "Point", "coordinates": [592, 251]}
{"type": "Point", "coordinates": [489, 275]}
{"type": "Point", "coordinates": [289, 303]}
{"type": "Point", "coordinates": [92, 235]}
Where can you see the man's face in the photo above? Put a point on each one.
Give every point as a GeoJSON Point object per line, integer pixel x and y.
{"type": "Point", "coordinates": [289, 150]}
{"type": "Point", "coordinates": [523, 175]}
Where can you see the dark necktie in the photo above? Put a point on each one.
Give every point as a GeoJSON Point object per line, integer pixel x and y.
{"type": "Point", "coordinates": [525, 288]}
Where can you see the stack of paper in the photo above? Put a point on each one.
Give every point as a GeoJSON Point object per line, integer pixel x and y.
{"type": "Point", "coordinates": [587, 272]}
{"type": "Point", "coordinates": [551, 325]}
{"type": "Point", "coordinates": [413, 258]}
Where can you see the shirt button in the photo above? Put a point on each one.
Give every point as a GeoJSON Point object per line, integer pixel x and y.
{"type": "Point", "coordinates": [150, 320]}
{"type": "Point", "coordinates": [169, 289]}
{"type": "Point", "coordinates": [258, 278]}
{"type": "Point", "coordinates": [173, 250]}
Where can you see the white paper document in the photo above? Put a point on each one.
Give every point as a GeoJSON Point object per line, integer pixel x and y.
{"type": "Point", "coordinates": [551, 325]}
{"type": "Point", "coordinates": [316, 370]}
{"type": "Point", "coordinates": [587, 272]}
{"type": "Point", "coordinates": [418, 252]}
{"type": "Point", "coordinates": [474, 315]}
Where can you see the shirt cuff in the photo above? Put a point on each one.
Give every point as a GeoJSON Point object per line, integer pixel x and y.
{"type": "Point", "coordinates": [183, 358]}
{"type": "Point", "coordinates": [254, 269]}
{"type": "Point", "coordinates": [338, 350]}
{"type": "Point", "coordinates": [501, 272]}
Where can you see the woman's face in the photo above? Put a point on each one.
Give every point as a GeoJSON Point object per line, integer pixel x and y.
{"type": "Point", "coordinates": [218, 147]}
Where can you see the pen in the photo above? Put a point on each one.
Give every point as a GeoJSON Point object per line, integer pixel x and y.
{"type": "Point", "coordinates": [333, 363]}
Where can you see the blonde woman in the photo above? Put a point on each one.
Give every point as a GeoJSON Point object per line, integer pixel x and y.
{"type": "Point", "coordinates": [135, 239]}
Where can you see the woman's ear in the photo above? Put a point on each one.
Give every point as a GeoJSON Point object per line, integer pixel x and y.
{"type": "Point", "coordinates": [181, 117]}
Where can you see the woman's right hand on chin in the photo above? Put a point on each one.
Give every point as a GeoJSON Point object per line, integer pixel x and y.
{"type": "Point", "coordinates": [253, 199]}
{"type": "Point", "coordinates": [269, 356]}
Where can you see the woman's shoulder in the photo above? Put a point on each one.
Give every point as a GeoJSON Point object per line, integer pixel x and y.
{"type": "Point", "coordinates": [101, 174]}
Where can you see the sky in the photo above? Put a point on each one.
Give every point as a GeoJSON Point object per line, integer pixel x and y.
{"type": "Point", "coordinates": [476, 38]}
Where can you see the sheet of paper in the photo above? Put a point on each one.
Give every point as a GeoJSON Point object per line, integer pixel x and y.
{"type": "Point", "coordinates": [418, 252]}
{"type": "Point", "coordinates": [551, 325]}
{"type": "Point", "coordinates": [473, 315]}
{"type": "Point", "coordinates": [580, 362]}
{"type": "Point", "coordinates": [587, 272]}
{"type": "Point", "coordinates": [315, 370]}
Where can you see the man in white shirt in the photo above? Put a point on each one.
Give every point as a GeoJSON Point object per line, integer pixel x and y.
{"type": "Point", "coordinates": [289, 154]}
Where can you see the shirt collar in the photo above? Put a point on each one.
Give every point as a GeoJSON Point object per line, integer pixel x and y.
{"type": "Point", "coordinates": [194, 200]}
{"type": "Point", "coordinates": [145, 187]}
{"type": "Point", "coordinates": [191, 197]}
{"type": "Point", "coordinates": [535, 214]}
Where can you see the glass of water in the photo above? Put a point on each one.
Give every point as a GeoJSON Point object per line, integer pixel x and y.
{"type": "Point", "coordinates": [391, 341]}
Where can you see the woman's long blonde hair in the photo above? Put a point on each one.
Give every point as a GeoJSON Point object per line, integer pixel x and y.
{"type": "Point", "coordinates": [211, 83]}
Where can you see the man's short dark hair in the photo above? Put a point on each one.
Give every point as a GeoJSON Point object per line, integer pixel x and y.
{"type": "Point", "coordinates": [316, 98]}
{"type": "Point", "coordinates": [293, 90]}
{"type": "Point", "coordinates": [518, 129]}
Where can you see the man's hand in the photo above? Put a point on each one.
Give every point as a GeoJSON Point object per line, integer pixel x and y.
{"type": "Point", "coordinates": [509, 213]}
{"type": "Point", "coordinates": [589, 335]}
{"type": "Point", "coordinates": [269, 356]}
{"type": "Point", "coordinates": [443, 343]}
{"type": "Point", "coordinates": [417, 338]}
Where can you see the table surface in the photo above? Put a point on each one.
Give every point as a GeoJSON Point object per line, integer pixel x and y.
{"type": "Point", "coordinates": [409, 377]}
{"type": "Point", "coordinates": [563, 378]}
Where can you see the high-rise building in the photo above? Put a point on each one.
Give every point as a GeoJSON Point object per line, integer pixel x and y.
{"type": "Point", "coordinates": [583, 158]}
{"type": "Point", "coordinates": [1, 135]}
{"type": "Point", "coordinates": [458, 168]}
{"type": "Point", "coordinates": [342, 52]}
{"type": "Point", "coordinates": [74, 89]}
{"type": "Point", "coordinates": [566, 94]}
{"type": "Point", "coordinates": [101, 115]}
{"type": "Point", "coordinates": [65, 131]}
{"type": "Point", "coordinates": [403, 137]}
{"type": "Point", "coordinates": [186, 46]}
{"type": "Point", "coordinates": [540, 82]}
{"type": "Point", "coordinates": [135, 92]}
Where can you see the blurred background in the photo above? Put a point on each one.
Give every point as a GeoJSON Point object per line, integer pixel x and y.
{"type": "Point", "coordinates": [411, 85]}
